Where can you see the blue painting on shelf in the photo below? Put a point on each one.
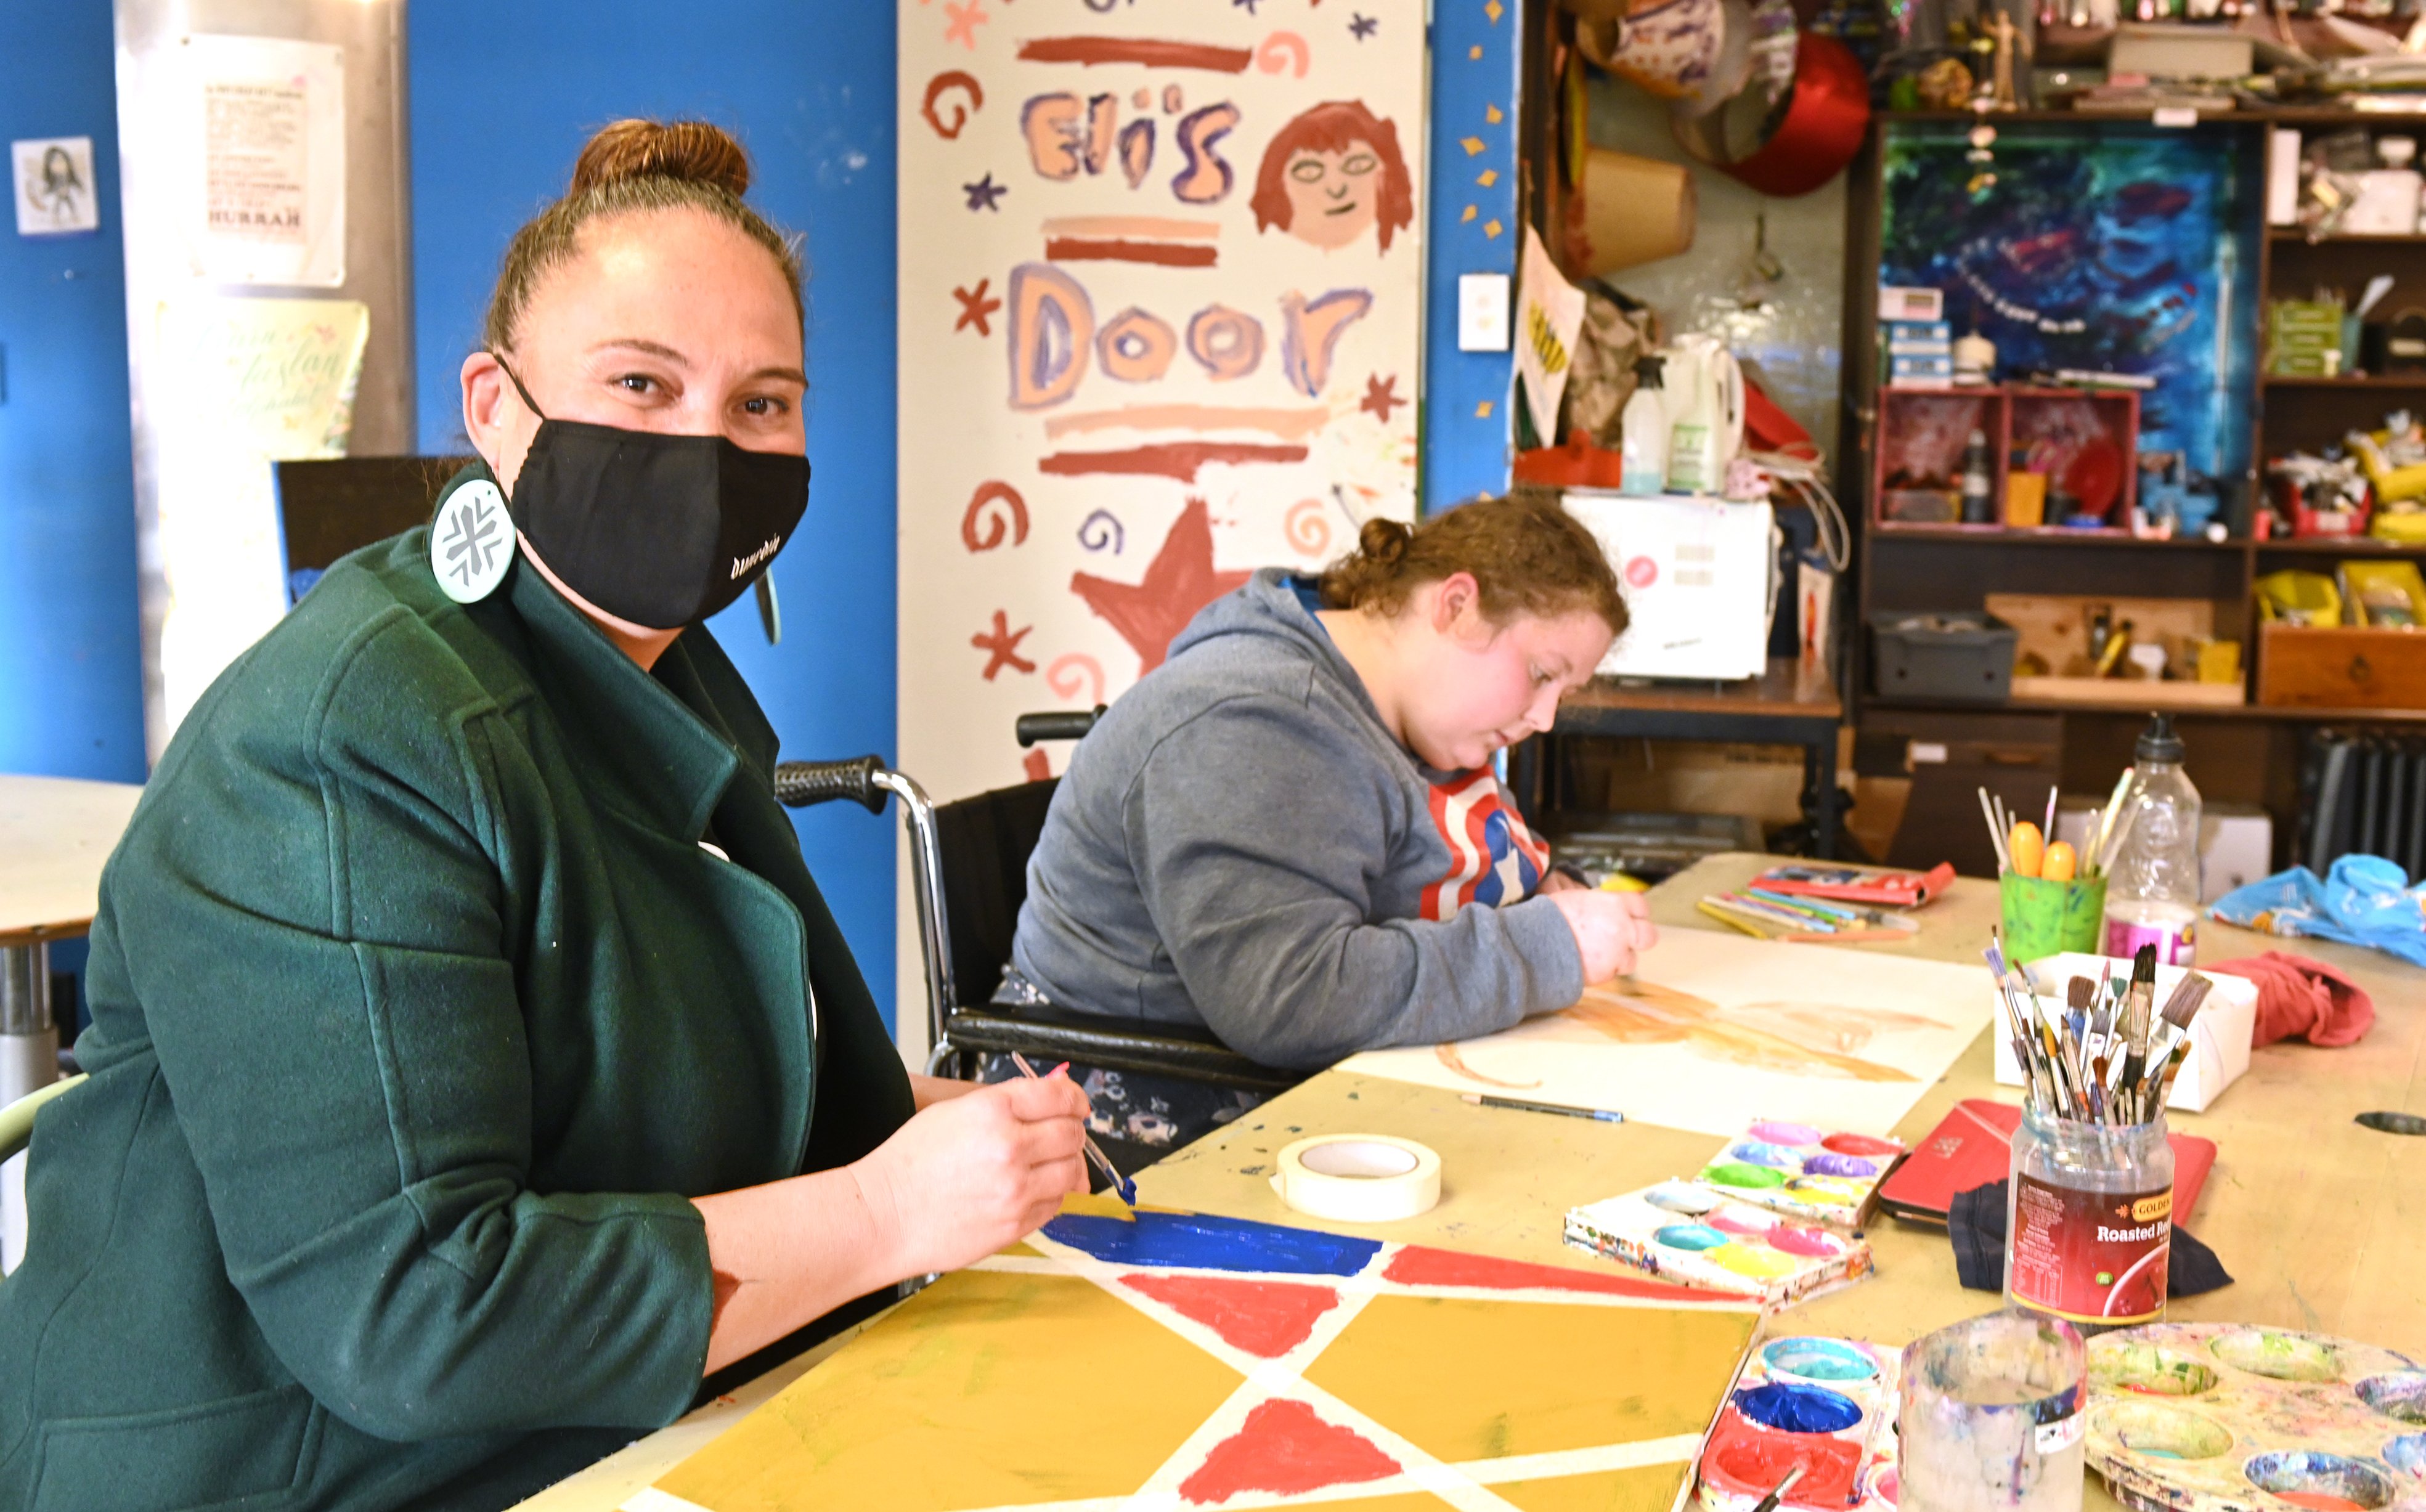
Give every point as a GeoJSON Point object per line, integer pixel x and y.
{"type": "Point", "coordinates": [2126, 249]}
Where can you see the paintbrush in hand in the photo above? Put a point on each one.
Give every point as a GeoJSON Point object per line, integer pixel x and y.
{"type": "Point", "coordinates": [1121, 1184]}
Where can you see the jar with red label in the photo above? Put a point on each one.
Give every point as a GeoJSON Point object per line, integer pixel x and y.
{"type": "Point", "coordinates": [2089, 1221]}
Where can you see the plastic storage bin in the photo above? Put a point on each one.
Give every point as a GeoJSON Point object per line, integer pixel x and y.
{"type": "Point", "coordinates": [1967, 655]}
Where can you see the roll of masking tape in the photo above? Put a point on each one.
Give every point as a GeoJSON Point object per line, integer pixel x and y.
{"type": "Point", "coordinates": [1358, 1178]}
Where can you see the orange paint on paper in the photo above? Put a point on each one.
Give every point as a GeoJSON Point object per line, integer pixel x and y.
{"type": "Point", "coordinates": [1133, 227]}
{"type": "Point", "coordinates": [1290, 424]}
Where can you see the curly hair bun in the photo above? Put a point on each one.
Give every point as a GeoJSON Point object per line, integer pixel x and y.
{"type": "Point", "coordinates": [689, 152]}
{"type": "Point", "coordinates": [1383, 541]}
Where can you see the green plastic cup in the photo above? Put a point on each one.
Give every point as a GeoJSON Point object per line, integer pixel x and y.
{"type": "Point", "coordinates": [2044, 918]}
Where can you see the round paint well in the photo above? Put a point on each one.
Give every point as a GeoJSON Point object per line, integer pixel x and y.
{"type": "Point", "coordinates": [1728, 1223]}
{"type": "Point", "coordinates": [1743, 1176]}
{"type": "Point", "coordinates": [1754, 1151]}
{"type": "Point", "coordinates": [2283, 1357]}
{"type": "Point", "coordinates": [1851, 1166]}
{"type": "Point", "coordinates": [1819, 1359]}
{"type": "Point", "coordinates": [1885, 1483]}
{"type": "Point", "coordinates": [2147, 1370]}
{"type": "Point", "coordinates": [1825, 1189]}
{"type": "Point", "coordinates": [1808, 1241]}
{"type": "Point", "coordinates": [2399, 1394]}
{"type": "Point", "coordinates": [1758, 1261]}
{"type": "Point", "coordinates": [2159, 1432]}
{"type": "Point", "coordinates": [1695, 1238]}
{"type": "Point", "coordinates": [2407, 1454]}
{"type": "Point", "coordinates": [1853, 1144]}
{"type": "Point", "coordinates": [2321, 1482]}
{"type": "Point", "coordinates": [1785, 1134]}
{"type": "Point", "coordinates": [1675, 1196]}
{"type": "Point", "coordinates": [1749, 1461]}
{"type": "Point", "coordinates": [1792, 1407]}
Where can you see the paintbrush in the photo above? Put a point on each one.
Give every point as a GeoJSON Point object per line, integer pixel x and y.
{"type": "Point", "coordinates": [1768, 1503]}
{"type": "Point", "coordinates": [2188, 996]}
{"type": "Point", "coordinates": [2113, 810]}
{"type": "Point", "coordinates": [1996, 833]}
{"type": "Point", "coordinates": [2137, 1004]}
{"type": "Point", "coordinates": [1124, 1186]}
{"type": "Point", "coordinates": [2048, 828]}
{"type": "Point", "coordinates": [2113, 846]}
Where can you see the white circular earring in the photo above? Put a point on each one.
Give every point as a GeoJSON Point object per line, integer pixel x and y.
{"type": "Point", "coordinates": [472, 541]}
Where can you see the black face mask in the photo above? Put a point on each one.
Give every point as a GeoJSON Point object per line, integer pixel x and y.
{"type": "Point", "coordinates": [659, 530]}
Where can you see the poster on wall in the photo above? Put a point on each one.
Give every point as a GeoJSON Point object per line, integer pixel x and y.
{"type": "Point", "coordinates": [260, 381]}
{"type": "Point", "coordinates": [1159, 303]}
{"type": "Point", "coordinates": [265, 186]}
{"type": "Point", "coordinates": [54, 191]}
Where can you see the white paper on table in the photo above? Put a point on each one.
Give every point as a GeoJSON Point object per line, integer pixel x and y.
{"type": "Point", "coordinates": [1717, 1032]}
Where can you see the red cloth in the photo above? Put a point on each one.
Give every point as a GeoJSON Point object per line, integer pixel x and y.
{"type": "Point", "coordinates": [2300, 996]}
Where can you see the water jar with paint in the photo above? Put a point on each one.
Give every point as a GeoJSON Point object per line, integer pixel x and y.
{"type": "Point", "coordinates": [1991, 1418]}
{"type": "Point", "coordinates": [2045, 918]}
{"type": "Point", "coordinates": [2089, 1221]}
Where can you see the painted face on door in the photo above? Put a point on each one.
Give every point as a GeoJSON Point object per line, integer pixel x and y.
{"type": "Point", "coordinates": [1331, 195]}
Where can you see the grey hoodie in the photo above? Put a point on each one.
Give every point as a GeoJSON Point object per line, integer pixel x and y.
{"type": "Point", "coordinates": [1242, 844]}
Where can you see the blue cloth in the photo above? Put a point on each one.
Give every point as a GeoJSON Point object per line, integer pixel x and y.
{"type": "Point", "coordinates": [2363, 900]}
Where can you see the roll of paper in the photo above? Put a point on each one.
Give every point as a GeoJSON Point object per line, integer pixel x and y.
{"type": "Point", "coordinates": [1358, 1178]}
{"type": "Point", "coordinates": [1629, 211]}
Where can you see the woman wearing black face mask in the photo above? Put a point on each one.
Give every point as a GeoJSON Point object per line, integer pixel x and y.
{"type": "Point", "coordinates": [475, 1064]}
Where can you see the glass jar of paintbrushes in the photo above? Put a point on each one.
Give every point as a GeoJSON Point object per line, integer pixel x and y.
{"type": "Point", "coordinates": [2089, 1209]}
{"type": "Point", "coordinates": [2053, 899]}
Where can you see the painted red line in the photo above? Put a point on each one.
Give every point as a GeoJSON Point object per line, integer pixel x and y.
{"type": "Point", "coordinates": [1096, 250]}
{"type": "Point", "coordinates": [1179, 459]}
{"type": "Point", "coordinates": [1091, 51]}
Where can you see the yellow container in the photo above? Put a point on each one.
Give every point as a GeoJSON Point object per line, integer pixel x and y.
{"type": "Point", "coordinates": [2299, 597]}
{"type": "Point", "coordinates": [2026, 498]}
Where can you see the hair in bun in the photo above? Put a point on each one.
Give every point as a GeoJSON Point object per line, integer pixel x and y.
{"type": "Point", "coordinates": [1527, 556]}
{"type": "Point", "coordinates": [636, 166]}
{"type": "Point", "coordinates": [688, 151]}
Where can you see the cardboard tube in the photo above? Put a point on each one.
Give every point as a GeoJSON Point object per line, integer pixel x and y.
{"type": "Point", "coordinates": [1629, 211]}
{"type": "Point", "coordinates": [1358, 1178]}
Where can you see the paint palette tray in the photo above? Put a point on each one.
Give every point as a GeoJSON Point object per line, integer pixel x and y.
{"type": "Point", "coordinates": [1694, 1235]}
{"type": "Point", "coordinates": [1804, 1172]}
{"type": "Point", "coordinates": [1827, 1406]}
{"type": "Point", "coordinates": [2221, 1417]}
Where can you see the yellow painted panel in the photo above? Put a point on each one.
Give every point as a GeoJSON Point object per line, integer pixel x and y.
{"type": "Point", "coordinates": [988, 1389]}
{"type": "Point", "coordinates": [1476, 1380]}
{"type": "Point", "coordinates": [1644, 1489]}
{"type": "Point", "coordinates": [1403, 1501]}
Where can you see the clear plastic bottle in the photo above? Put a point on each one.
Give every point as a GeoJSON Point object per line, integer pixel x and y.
{"type": "Point", "coordinates": [1643, 427]}
{"type": "Point", "coordinates": [2152, 893]}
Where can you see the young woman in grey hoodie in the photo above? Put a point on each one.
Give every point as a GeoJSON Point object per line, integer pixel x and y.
{"type": "Point", "coordinates": [1290, 831]}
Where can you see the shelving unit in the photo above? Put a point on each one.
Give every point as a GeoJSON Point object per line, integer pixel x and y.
{"type": "Point", "coordinates": [2244, 752]}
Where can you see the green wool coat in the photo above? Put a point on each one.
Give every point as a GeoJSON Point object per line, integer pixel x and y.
{"type": "Point", "coordinates": [419, 1010]}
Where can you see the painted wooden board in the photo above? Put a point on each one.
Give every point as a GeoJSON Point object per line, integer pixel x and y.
{"type": "Point", "coordinates": [1161, 299]}
{"type": "Point", "coordinates": [1714, 1032]}
{"type": "Point", "coordinates": [1162, 1359]}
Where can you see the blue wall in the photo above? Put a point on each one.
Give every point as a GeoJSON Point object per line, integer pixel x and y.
{"type": "Point", "coordinates": [72, 675]}
{"type": "Point", "coordinates": [502, 97]}
{"type": "Point", "coordinates": [1473, 226]}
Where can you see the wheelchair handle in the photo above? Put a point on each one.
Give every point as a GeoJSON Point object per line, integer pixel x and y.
{"type": "Point", "coordinates": [800, 784]}
{"type": "Point", "coordinates": [1072, 725]}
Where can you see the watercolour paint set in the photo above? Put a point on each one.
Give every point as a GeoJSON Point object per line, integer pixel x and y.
{"type": "Point", "coordinates": [1804, 1172]}
{"type": "Point", "coordinates": [1691, 1233]}
{"type": "Point", "coordinates": [1814, 1416]}
{"type": "Point", "coordinates": [2218, 1417]}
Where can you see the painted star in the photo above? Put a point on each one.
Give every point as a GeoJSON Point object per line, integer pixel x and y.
{"type": "Point", "coordinates": [1002, 647]}
{"type": "Point", "coordinates": [1361, 26]}
{"type": "Point", "coordinates": [1381, 396]}
{"type": "Point", "coordinates": [984, 192]}
{"type": "Point", "coordinates": [964, 20]}
{"type": "Point", "coordinates": [975, 306]}
{"type": "Point", "coordinates": [1181, 580]}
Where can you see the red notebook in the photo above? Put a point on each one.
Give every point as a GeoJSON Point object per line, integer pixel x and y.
{"type": "Point", "coordinates": [1974, 1147]}
{"type": "Point", "coordinates": [1894, 890]}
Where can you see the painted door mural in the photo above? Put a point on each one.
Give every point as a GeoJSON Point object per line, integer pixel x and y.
{"type": "Point", "coordinates": [1160, 295]}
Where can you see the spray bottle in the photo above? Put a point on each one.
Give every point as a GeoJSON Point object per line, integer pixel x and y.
{"type": "Point", "coordinates": [1643, 427]}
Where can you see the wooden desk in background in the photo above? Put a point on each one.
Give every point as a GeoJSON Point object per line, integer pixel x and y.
{"type": "Point", "coordinates": [1793, 704]}
{"type": "Point", "coordinates": [54, 835]}
{"type": "Point", "coordinates": [2316, 1217]}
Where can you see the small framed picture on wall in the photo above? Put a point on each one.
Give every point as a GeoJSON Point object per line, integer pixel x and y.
{"type": "Point", "coordinates": [54, 186]}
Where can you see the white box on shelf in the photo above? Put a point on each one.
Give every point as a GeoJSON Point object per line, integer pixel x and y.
{"type": "Point", "coordinates": [1700, 577]}
{"type": "Point", "coordinates": [2282, 177]}
{"type": "Point", "coordinates": [2220, 1034]}
{"type": "Point", "coordinates": [2387, 203]}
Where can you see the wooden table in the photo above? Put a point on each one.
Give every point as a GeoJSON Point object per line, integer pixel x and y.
{"type": "Point", "coordinates": [2318, 1219]}
{"type": "Point", "coordinates": [1793, 704]}
{"type": "Point", "coordinates": [54, 835]}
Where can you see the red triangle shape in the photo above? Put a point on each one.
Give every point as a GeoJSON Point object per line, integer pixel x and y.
{"type": "Point", "coordinates": [1283, 1447]}
{"type": "Point", "coordinates": [1264, 1318]}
